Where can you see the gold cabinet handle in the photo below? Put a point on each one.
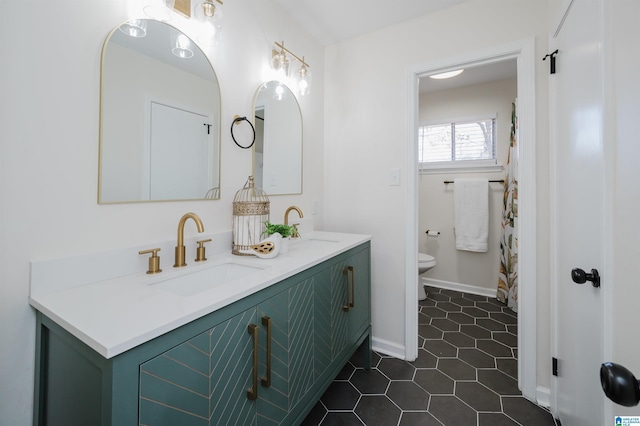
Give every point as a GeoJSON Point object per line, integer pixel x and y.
{"type": "Point", "coordinates": [347, 271]}
{"type": "Point", "coordinates": [266, 380]}
{"type": "Point", "coordinates": [352, 279]}
{"type": "Point", "coordinates": [154, 260]}
{"type": "Point", "coordinates": [200, 251]}
{"type": "Point", "coordinates": [252, 393]}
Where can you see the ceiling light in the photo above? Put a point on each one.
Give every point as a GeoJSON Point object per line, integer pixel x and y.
{"type": "Point", "coordinates": [211, 19]}
{"type": "Point", "coordinates": [444, 75]}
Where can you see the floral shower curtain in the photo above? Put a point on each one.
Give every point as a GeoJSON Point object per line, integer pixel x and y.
{"type": "Point", "coordinates": [508, 277]}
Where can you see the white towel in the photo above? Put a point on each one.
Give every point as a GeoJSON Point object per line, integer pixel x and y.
{"type": "Point", "coordinates": [471, 205]}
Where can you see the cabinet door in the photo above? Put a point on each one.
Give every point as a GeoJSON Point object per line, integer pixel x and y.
{"type": "Point", "coordinates": [203, 381]}
{"type": "Point", "coordinates": [351, 300]}
{"type": "Point", "coordinates": [360, 309]}
{"type": "Point", "coordinates": [286, 351]}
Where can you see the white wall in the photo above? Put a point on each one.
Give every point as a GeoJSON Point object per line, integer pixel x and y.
{"type": "Point", "coordinates": [624, 111]}
{"type": "Point", "coordinates": [366, 119]}
{"type": "Point", "coordinates": [49, 114]}
{"type": "Point", "coordinates": [435, 208]}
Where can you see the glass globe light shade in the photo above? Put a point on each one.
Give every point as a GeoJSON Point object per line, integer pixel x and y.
{"type": "Point", "coordinates": [134, 28]}
{"type": "Point", "coordinates": [211, 19]}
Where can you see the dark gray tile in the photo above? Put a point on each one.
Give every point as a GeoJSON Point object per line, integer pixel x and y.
{"type": "Point", "coordinates": [490, 324]}
{"type": "Point", "coordinates": [462, 301]}
{"type": "Point", "coordinates": [508, 366]}
{"type": "Point", "coordinates": [526, 412]}
{"type": "Point", "coordinates": [418, 419]}
{"type": "Point", "coordinates": [315, 416]}
{"type": "Point", "coordinates": [440, 348]}
{"type": "Point", "coordinates": [340, 396]}
{"type": "Point", "coordinates": [459, 340]}
{"type": "Point", "coordinates": [377, 410]}
{"type": "Point", "coordinates": [434, 382]}
{"type": "Point", "coordinates": [479, 397]}
{"type": "Point", "coordinates": [489, 307]}
{"type": "Point", "coordinates": [429, 332]}
{"type": "Point", "coordinates": [369, 382]}
{"type": "Point", "coordinates": [438, 297]}
{"type": "Point", "coordinates": [506, 338]}
{"type": "Point", "coordinates": [498, 382]}
{"type": "Point", "coordinates": [503, 318]}
{"type": "Point", "coordinates": [445, 324]}
{"type": "Point", "coordinates": [493, 348]}
{"type": "Point", "coordinates": [460, 318]}
{"type": "Point", "coordinates": [475, 297]}
{"type": "Point", "coordinates": [431, 290]}
{"type": "Point", "coordinates": [451, 293]}
{"type": "Point", "coordinates": [476, 358]}
{"type": "Point", "coordinates": [475, 331]}
{"type": "Point", "coordinates": [346, 372]}
{"type": "Point", "coordinates": [475, 312]}
{"type": "Point", "coordinates": [341, 419]}
{"type": "Point", "coordinates": [456, 369]}
{"type": "Point", "coordinates": [426, 302]}
{"type": "Point", "coordinates": [496, 302]}
{"type": "Point", "coordinates": [423, 319]}
{"type": "Point", "coordinates": [425, 360]}
{"type": "Point", "coordinates": [357, 359]}
{"type": "Point", "coordinates": [448, 306]}
{"type": "Point", "coordinates": [451, 411]}
{"type": "Point", "coordinates": [495, 419]}
{"type": "Point", "coordinates": [408, 396]}
{"type": "Point", "coordinates": [513, 329]}
{"type": "Point", "coordinates": [433, 312]}
{"type": "Point", "coordinates": [396, 369]}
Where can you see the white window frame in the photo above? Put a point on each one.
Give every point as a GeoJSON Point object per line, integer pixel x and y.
{"type": "Point", "coordinates": [488, 165]}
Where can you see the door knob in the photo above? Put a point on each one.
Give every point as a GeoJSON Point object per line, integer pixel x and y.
{"type": "Point", "coordinates": [619, 384]}
{"type": "Point", "coordinates": [580, 276]}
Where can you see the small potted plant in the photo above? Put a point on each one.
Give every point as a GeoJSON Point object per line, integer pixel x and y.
{"type": "Point", "coordinates": [286, 231]}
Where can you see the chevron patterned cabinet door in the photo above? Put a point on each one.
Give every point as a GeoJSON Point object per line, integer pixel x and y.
{"type": "Point", "coordinates": [202, 381]}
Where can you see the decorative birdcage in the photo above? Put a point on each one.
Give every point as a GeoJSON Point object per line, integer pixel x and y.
{"type": "Point", "coordinates": [250, 212]}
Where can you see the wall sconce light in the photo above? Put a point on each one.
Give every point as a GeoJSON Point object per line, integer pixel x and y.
{"type": "Point", "coordinates": [211, 20]}
{"type": "Point", "coordinates": [206, 13]}
{"type": "Point", "coordinates": [280, 62]}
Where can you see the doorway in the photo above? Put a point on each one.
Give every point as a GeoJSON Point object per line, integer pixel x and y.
{"type": "Point", "coordinates": [523, 52]}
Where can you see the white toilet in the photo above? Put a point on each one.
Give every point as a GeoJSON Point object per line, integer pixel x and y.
{"type": "Point", "coordinates": [425, 262]}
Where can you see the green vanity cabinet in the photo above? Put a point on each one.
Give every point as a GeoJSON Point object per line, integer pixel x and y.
{"type": "Point", "coordinates": [263, 360]}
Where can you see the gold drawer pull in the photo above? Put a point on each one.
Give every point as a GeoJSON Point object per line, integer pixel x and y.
{"type": "Point", "coordinates": [266, 380]}
{"type": "Point", "coordinates": [348, 271]}
{"type": "Point", "coordinates": [252, 393]}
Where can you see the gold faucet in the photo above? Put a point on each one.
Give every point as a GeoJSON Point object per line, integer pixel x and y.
{"type": "Point", "coordinates": [286, 219]}
{"type": "Point", "coordinates": [180, 249]}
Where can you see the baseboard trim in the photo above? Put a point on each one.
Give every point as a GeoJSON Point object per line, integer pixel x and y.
{"type": "Point", "coordinates": [386, 347]}
{"type": "Point", "coordinates": [464, 288]}
{"type": "Point", "coordinates": [543, 396]}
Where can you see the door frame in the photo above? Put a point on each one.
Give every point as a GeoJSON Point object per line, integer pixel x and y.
{"type": "Point", "coordinates": [524, 52]}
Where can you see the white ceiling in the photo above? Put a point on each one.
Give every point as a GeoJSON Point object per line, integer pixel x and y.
{"type": "Point", "coordinates": [331, 21]}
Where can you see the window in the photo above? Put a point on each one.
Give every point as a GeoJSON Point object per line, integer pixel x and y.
{"type": "Point", "coordinates": [463, 143]}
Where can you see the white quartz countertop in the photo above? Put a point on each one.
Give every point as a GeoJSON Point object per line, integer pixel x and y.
{"type": "Point", "coordinates": [116, 314]}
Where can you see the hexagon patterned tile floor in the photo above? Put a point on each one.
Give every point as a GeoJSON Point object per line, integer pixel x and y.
{"type": "Point", "coordinates": [465, 374]}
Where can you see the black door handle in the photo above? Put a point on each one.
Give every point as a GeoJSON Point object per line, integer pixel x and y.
{"type": "Point", "coordinates": [619, 384]}
{"type": "Point", "coordinates": [579, 276]}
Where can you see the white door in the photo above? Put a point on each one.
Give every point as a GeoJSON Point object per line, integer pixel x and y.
{"type": "Point", "coordinates": [579, 233]}
{"type": "Point", "coordinates": [180, 159]}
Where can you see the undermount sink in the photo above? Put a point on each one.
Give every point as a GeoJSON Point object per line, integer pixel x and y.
{"type": "Point", "coordinates": [312, 243]}
{"type": "Point", "coordinates": [198, 281]}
